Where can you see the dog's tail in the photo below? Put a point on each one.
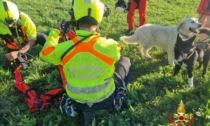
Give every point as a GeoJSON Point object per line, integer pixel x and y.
{"type": "Point", "coordinates": [129, 39]}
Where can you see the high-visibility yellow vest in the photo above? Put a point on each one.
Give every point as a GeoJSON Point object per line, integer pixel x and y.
{"type": "Point", "coordinates": [92, 81]}
{"type": "Point", "coordinates": [88, 67]}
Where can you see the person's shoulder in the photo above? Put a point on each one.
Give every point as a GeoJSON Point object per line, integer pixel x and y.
{"type": "Point", "coordinates": [24, 15]}
{"type": "Point", "coordinates": [111, 43]}
{"type": "Point", "coordinates": [108, 40]}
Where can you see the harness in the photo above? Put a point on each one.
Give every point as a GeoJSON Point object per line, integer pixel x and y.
{"type": "Point", "coordinates": [190, 54]}
{"type": "Point", "coordinates": [34, 101]}
{"type": "Point", "coordinates": [87, 47]}
{"type": "Point", "coordinates": [13, 42]}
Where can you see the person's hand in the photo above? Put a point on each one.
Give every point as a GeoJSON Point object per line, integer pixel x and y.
{"type": "Point", "coordinates": [61, 25]}
{"type": "Point", "coordinates": [12, 55]}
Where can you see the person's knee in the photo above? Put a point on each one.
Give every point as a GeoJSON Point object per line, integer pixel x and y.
{"type": "Point", "coordinates": [124, 62]}
{"type": "Point", "coordinates": [41, 38]}
{"type": "Point", "coordinates": [127, 61]}
{"type": "Point", "coordinates": [123, 67]}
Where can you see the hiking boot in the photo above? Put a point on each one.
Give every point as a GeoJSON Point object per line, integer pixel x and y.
{"type": "Point", "coordinates": [129, 32]}
{"type": "Point", "coordinates": [66, 104]}
{"type": "Point", "coordinates": [70, 111]}
{"type": "Point", "coordinates": [119, 98]}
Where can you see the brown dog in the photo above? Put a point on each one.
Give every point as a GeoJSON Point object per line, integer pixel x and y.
{"type": "Point", "coordinates": [204, 57]}
{"type": "Point", "coordinates": [204, 51]}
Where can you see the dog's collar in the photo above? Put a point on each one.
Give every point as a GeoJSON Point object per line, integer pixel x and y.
{"type": "Point", "coordinates": [183, 35]}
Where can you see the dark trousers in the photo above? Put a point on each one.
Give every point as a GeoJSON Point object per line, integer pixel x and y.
{"type": "Point", "coordinates": [123, 69]}
{"type": "Point", "coordinates": [41, 38]}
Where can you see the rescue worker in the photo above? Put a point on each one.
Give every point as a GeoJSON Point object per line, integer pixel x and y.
{"type": "Point", "coordinates": [142, 8]}
{"type": "Point", "coordinates": [89, 63]}
{"type": "Point", "coordinates": [204, 17]}
{"type": "Point", "coordinates": [130, 8]}
{"type": "Point", "coordinates": [17, 33]}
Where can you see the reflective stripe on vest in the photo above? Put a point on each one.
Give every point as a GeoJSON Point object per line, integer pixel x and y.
{"type": "Point", "coordinates": [91, 90]}
{"type": "Point", "coordinates": [87, 47]}
{"type": "Point", "coordinates": [95, 100]}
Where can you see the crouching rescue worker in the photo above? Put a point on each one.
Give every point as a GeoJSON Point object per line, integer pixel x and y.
{"type": "Point", "coordinates": [17, 33]}
{"type": "Point", "coordinates": [93, 66]}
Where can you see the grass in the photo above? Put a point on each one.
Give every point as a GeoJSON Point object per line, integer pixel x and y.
{"type": "Point", "coordinates": [153, 93]}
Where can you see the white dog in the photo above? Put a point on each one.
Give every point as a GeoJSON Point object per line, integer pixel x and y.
{"type": "Point", "coordinates": [164, 37]}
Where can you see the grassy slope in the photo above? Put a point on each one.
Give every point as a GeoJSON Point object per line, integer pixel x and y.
{"type": "Point", "coordinates": [154, 93]}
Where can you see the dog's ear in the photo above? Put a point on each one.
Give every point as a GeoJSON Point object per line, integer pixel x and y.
{"type": "Point", "coordinates": [180, 26]}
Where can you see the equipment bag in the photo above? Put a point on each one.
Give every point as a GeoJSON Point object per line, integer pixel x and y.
{"type": "Point", "coordinates": [34, 101]}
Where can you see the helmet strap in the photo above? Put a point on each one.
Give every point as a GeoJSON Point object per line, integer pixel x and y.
{"type": "Point", "coordinates": [89, 12]}
{"type": "Point", "coordinates": [6, 8]}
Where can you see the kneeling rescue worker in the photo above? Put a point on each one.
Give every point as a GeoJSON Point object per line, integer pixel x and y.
{"type": "Point", "coordinates": [17, 33]}
{"type": "Point", "coordinates": [95, 71]}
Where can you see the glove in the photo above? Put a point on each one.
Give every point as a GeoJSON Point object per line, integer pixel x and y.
{"type": "Point", "coordinates": [22, 60]}
{"type": "Point", "coordinates": [63, 26]}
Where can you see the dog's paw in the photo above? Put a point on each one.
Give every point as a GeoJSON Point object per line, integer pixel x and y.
{"type": "Point", "coordinates": [172, 64]}
{"type": "Point", "coordinates": [190, 82]}
{"type": "Point", "coordinates": [148, 56]}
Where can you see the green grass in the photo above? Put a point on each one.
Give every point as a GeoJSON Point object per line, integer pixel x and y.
{"type": "Point", "coordinates": [153, 93]}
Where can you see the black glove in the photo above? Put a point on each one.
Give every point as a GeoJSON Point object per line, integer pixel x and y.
{"type": "Point", "coordinates": [22, 60]}
{"type": "Point", "coordinates": [63, 26]}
